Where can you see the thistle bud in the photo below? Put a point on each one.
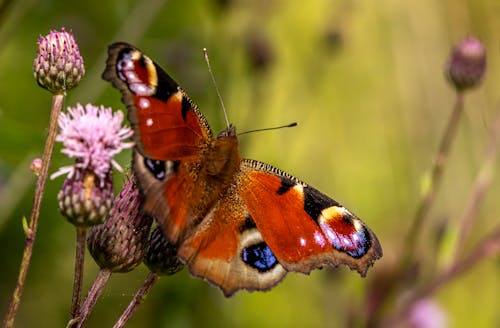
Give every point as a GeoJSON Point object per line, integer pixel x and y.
{"type": "Point", "coordinates": [58, 65]}
{"type": "Point", "coordinates": [36, 166]}
{"type": "Point", "coordinates": [119, 244]}
{"type": "Point", "coordinates": [84, 199]}
{"type": "Point", "coordinates": [467, 64]}
{"type": "Point", "coordinates": [161, 255]}
{"type": "Point", "coordinates": [260, 51]}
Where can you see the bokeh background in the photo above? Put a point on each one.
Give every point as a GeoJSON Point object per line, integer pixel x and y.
{"type": "Point", "coordinates": [364, 80]}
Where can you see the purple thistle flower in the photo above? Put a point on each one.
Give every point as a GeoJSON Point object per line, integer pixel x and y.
{"type": "Point", "coordinates": [58, 65]}
{"type": "Point", "coordinates": [92, 135]}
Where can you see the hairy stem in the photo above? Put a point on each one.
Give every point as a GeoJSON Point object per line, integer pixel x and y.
{"type": "Point", "coordinates": [91, 298]}
{"type": "Point", "coordinates": [57, 103]}
{"type": "Point", "coordinates": [138, 299]}
{"type": "Point", "coordinates": [81, 236]}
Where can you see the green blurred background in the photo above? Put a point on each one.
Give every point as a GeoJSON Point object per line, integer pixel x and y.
{"type": "Point", "coordinates": [364, 80]}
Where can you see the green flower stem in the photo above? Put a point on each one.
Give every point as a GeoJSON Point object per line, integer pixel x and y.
{"type": "Point", "coordinates": [481, 186]}
{"type": "Point", "coordinates": [429, 195]}
{"type": "Point", "coordinates": [81, 236]}
{"type": "Point", "coordinates": [95, 291]}
{"type": "Point", "coordinates": [376, 308]}
{"type": "Point", "coordinates": [138, 299]}
{"type": "Point", "coordinates": [57, 103]}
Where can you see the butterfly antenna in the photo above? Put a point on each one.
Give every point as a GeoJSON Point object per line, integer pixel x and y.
{"type": "Point", "coordinates": [205, 53]}
{"type": "Point", "coordinates": [272, 128]}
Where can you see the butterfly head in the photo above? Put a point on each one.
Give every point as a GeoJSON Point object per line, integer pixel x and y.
{"type": "Point", "coordinates": [230, 132]}
{"type": "Point", "coordinates": [224, 155]}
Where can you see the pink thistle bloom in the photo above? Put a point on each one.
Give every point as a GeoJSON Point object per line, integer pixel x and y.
{"type": "Point", "coordinates": [92, 135]}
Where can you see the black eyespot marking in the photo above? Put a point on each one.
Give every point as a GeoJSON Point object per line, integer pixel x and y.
{"type": "Point", "coordinates": [357, 248]}
{"type": "Point", "coordinates": [286, 184]}
{"type": "Point", "coordinates": [315, 202]}
{"type": "Point", "coordinates": [142, 61]}
{"type": "Point", "coordinates": [186, 107]}
{"type": "Point", "coordinates": [175, 166]}
{"type": "Point", "coordinates": [348, 219]}
{"type": "Point", "coordinates": [157, 168]}
{"type": "Point", "coordinates": [248, 224]}
{"type": "Point", "coordinates": [259, 256]}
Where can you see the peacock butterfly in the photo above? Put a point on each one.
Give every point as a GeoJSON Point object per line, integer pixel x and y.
{"type": "Point", "coordinates": [238, 223]}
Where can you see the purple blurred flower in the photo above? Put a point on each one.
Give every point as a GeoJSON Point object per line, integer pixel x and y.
{"type": "Point", "coordinates": [467, 64]}
{"type": "Point", "coordinates": [92, 135]}
{"type": "Point", "coordinates": [426, 313]}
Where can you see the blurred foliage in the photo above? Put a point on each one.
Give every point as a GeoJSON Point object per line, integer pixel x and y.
{"type": "Point", "coordinates": [365, 82]}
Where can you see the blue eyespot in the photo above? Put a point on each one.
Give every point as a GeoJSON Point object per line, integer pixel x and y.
{"type": "Point", "coordinates": [259, 256]}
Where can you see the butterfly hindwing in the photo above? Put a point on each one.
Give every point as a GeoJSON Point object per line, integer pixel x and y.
{"type": "Point", "coordinates": [228, 250]}
{"type": "Point", "coordinates": [163, 186]}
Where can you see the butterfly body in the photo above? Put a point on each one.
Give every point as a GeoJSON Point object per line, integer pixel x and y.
{"type": "Point", "coordinates": [238, 223]}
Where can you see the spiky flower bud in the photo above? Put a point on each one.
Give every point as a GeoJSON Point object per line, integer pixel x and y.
{"type": "Point", "coordinates": [58, 65]}
{"type": "Point", "coordinates": [161, 255]}
{"type": "Point", "coordinates": [467, 64]}
{"type": "Point", "coordinates": [119, 244]}
{"type": "Point", "coordinates": [85, 199]}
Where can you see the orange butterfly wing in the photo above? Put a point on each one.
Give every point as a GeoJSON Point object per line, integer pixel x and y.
{"type": "Point", "coordinates": [167, 124]}
{"type": "Point", "coordinates": [168, 129]}
{"type": "Point", "coordinates": [269, 223]}
{"type": "Point", "coordinates": [304, 228]}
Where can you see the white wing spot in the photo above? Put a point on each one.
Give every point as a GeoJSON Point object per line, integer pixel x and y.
{"type": "Point", "coordinates": [319, 239]}
{"type": "Point", "coordinates": [141, 89]}
{"type": "Point", "coordinates": [125, 64]}
{"type": "Point", "coordinates": [144, 103]}
{"type": "Point", "coordinates": [131, 77]}
{"type": "Point", "coordinates": [149, 122]}
{"type": "Point", "coordinates": [330, 234]}
{"type": "Point", "coordinates": [358, 225]}
{"type": "Point", "coordinates": [302, 242]}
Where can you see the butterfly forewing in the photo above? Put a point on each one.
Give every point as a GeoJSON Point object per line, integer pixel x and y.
{"type": "Point", "coordinates": [304, 228]}
{"type": "Point", "coordinates": [167, 124]}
